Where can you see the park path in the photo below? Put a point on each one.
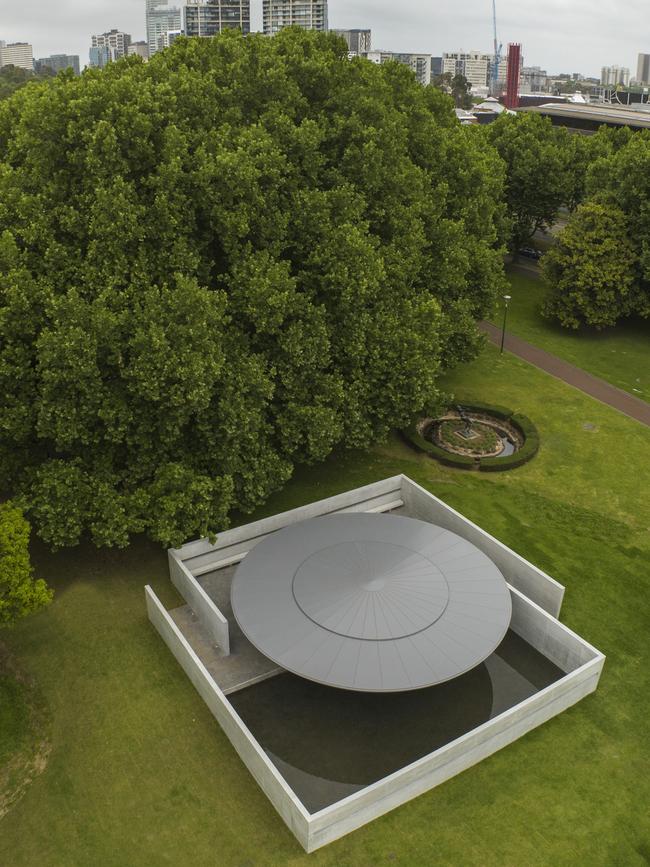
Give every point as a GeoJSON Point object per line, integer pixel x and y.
{"type": "Point", "coordinates": [593, 386]}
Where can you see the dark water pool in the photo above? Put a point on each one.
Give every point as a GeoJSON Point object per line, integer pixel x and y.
{"type": "Point", "coordinates": [329, 743]}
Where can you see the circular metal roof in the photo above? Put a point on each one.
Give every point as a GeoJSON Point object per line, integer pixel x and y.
{"type": "Point", "coordinates": [375, 603]}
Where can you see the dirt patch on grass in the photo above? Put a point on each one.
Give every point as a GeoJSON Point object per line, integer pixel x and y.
{"type": "Point", "coordinates": [26, 741]}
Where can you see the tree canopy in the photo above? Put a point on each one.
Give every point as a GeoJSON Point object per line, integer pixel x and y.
{"type": "Point", "coordinates": [590, 269]}
{"type": "Point", "coordinates": [221, 263]}
{"type": "Point", "coordinates": [20, 594]}
{"type": "Point", "coordinates": [600, 270]}
{"type": "Point", "coordinates": [457, 86]}
{"type": "Point", "coordinates": [12, 78]}
{"type": "Point", "coordinates": [538, 163]}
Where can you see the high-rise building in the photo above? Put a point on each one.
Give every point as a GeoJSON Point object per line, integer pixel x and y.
{"type": "Point", "coordinates": [162, 17]}
{"type": "Point", "coordinates": [359, 41]}
{"type": "Point", "coordinates": [643, 69]}
{"type": "Point", "coordinates": [140, 48]}
{"type": "Point", "coordinates": [100, 56]}
{"type": "Point", "coordinates": [420, 64]}
{"type": "Point", "coordinates": [168, 38]}
{"type": "Point", "coordinates": [58, 62]}
{"type": "Point", "coordinates": [474, 65]}
{"type": "Point", "coordinates": [116, 41]}
{"type": "Point", "coordinates": [20, 54]}
{"type": "Point", "coordinates": [614, 75]}
{"type": "Point", "coordinates": [533, 80]}
{"type": "Point", "coordinates": [309, 14]}
{"type": "Point", "coordinates": [209, 17]}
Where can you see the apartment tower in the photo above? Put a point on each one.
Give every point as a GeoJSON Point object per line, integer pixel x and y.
{"type": "Point", "coordinates": [309, 14]}
{"type": "Point", "coordinates": [209, 17]}
{"type": "Point", "coordinates": [162, 17]}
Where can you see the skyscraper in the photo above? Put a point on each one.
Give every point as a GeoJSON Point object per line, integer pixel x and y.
{"type": "Point", "coordinates": [359, 41]}
{"type": "Point", "coordinates": [161, 18]}
{"type": "Point", "coordinates": [19, 54]}
{"type": "Point", "coordinates": [643, 69]}
{"type": "Point", "coordinates": [115, 40]}
{"type": "Point", "coordinates": [57, 62]}
{"type": "Point", "coordinates": [209, 17]}
{"type": "Point", "coordinates": [310, 14]}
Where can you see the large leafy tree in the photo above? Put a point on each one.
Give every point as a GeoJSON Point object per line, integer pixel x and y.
{"type": "Point", "coordinates": [591, 269]}
{"type": "Point", "coordinates": [222, 263]}
{"type": "Point", "coordinates": [12, 78]}
{"type": "Point", "coordinates": [20, 593]}
{"type": "Point", "coordinates": [539, 164]}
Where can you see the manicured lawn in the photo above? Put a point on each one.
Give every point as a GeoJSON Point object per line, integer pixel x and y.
{"type": "Point", "coordinates": [620, 355]}
{"type": "Point", "coordinates": [140, 773]}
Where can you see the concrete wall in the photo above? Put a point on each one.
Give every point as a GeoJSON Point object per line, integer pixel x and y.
{"type": "Point", "coordinates": [541, 630]}
{"type": "Point", "coordinates": [430, 771]}
{"type": "Point", "coordinates": [201, 604]}
{"type": "Point", "coordinates": [252, 755]}
{"type": "Point", "coordinates": [202, 556]}
{"type": "Point", "coordinates": [547, 635]}
{"type": "Point", "coordinates": [536, 599]}
{"type": "Point", "coordinates": [534, 583]}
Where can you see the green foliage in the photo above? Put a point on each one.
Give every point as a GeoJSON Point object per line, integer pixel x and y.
{"type": "Point", "coordinates": [590, 269]}
{"type": "Point", "coordinates": [457, 86]}
{"type": "Point", "coordinates": [448, 459]}
{"type": "Point", "coordinates": [539, 175]}
{"type": "Point", "coordinates": [222, 263]}
{"type": "Point", "coordinates": [486, 441]}
{"type": "Point", "coordinates": [525, 453]}
{"type": "Point", "coordinates": [20, 594]}
{"type": "Point", "coordinates": [12, 78]}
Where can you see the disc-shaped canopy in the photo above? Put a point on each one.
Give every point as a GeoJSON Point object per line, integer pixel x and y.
{"type": "Point", "coordinates": [376, 603]}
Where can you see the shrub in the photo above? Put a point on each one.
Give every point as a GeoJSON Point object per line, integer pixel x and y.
{"type": "Point", "coordinates": [20, 594]}
{"type": "Point", "coordinates": [524, 454]}
{"type": "Point", "coordinates": [418, 442]}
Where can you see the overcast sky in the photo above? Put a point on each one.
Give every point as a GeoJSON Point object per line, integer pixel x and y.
{"type": "Point", "coordinates": [558, 35]}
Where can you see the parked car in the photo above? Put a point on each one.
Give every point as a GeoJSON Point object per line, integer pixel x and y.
{"type": "Point", "coordinates": [530, 253]}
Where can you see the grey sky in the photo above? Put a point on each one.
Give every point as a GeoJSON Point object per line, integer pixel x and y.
{"type": "Point", "coordinates": [559, 35]}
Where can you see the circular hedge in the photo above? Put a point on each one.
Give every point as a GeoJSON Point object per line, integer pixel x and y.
{"type": "Point", "coordinates": [524, 426]}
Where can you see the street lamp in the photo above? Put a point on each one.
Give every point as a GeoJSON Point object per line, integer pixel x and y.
{"type": "Point", "coordinates": [506, 298]}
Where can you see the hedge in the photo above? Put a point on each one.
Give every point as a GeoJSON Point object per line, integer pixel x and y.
{"type": "Point", "coordinates": [526, 453]}
{"type": "Point", "coordinates": [525, 426]}
{"type": "Point", "coordinates": [448, 458]}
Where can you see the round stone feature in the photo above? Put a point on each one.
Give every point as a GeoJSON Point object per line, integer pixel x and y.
{"type": "Point", "coordinates": [370, 590]}
{"type": "Point", "coordinates": [372, 603]}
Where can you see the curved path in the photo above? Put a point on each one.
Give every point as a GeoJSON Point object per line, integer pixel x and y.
{"type": "Point", "coordinates": [597, 388]}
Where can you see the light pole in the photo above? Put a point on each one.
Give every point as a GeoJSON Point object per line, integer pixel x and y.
{"type": "Point", "coordinates": [506, 298]}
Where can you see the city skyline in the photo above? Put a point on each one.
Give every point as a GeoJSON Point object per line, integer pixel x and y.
{"type": "Point", "coordinates": [561, 36]}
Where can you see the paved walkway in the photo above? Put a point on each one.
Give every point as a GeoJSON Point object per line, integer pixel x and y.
{"type": "Point", "coordinates": [593, 386]}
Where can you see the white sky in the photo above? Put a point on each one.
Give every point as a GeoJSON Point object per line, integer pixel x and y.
{"type": "Point", "coordinates": [558, 35]}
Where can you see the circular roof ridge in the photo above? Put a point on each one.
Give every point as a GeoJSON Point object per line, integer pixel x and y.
{"type": "Point", "coordinates": [378, 603]}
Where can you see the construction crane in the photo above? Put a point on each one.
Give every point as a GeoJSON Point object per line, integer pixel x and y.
{"type": "Point", "coordinates": [496, 60]}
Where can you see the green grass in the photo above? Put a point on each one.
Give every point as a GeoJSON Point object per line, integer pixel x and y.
{"type": "Point", "coordinates": [620, 355]}
{"type": "Point", "coordinates": [141, 774]}
{"type": "Point", "coordinates": [14, 718]}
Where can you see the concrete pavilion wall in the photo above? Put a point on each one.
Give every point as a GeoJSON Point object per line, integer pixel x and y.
{"type": "Point", "coordinates": [536, 599]}
{"type": "Point", "coordinates": [201, 604]}
{"type": "Point", "coordinates": [232, 546]}
{"type": "Point", "coordinates": [250, 752]}
{"type": "Point", "coordinates": [542, 631]}
{"type": "Point", "coordinates": [534, 583]}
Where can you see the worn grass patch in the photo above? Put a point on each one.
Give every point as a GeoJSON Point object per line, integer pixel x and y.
{"type": "Point", "coordinates": [24, 732]}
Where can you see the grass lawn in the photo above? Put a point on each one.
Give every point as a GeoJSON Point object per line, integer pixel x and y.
{"type": "Point", "coordinates": [141, 774]}
{"type": "Point", "coordinates": [620, 355]}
